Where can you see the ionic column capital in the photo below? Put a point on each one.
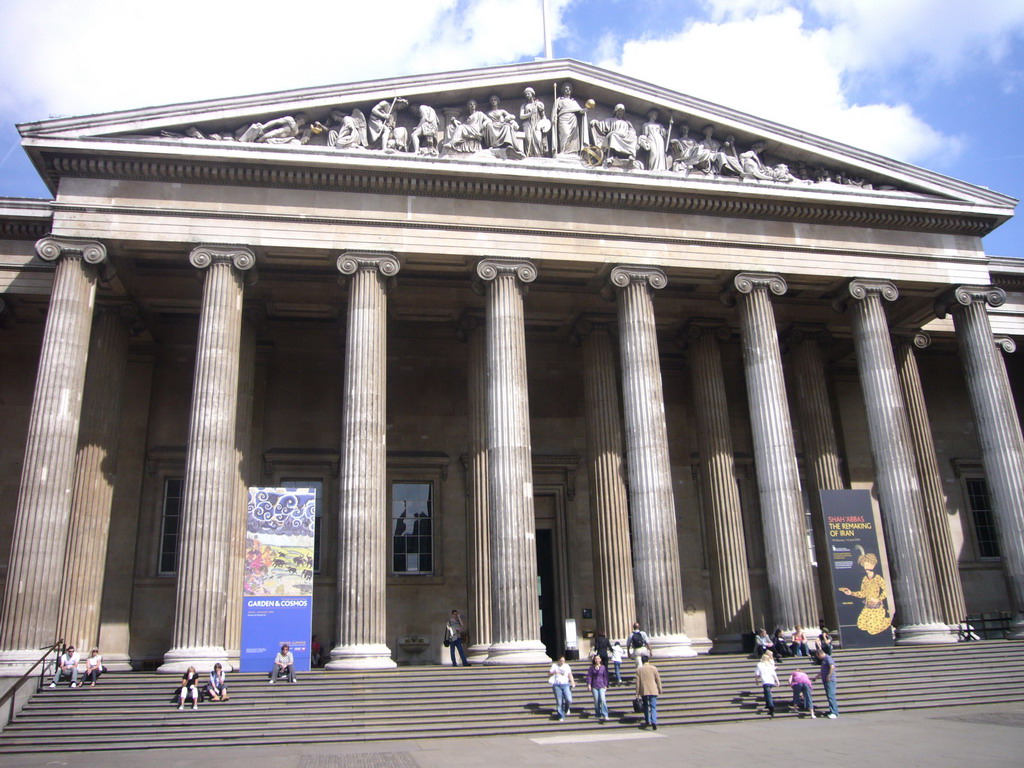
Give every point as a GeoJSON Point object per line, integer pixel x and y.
{"type": "Point", "coordinates": [491, 268]}
{"type": "Point", "coordinates": [699, 327]}
{"type": "Point", "coordinates": [915, 337]}
{"type": "Point", "coordinates": [51, 248]}
{"type": "Point", "coordinates": [749, 282]}
{"type": "Point", "coordinates": [965, 295]}
{"type": "Point", "coordinates": [588, 324]}
{"type": "Point", "coordinates": [802, 333]}
{"type": "Point", "coordinates": [384, 262]}
{"type": "Point", "coordinates": [469, 321]}
{"type": "Point", "coordinates": [861, 289]}
{"type": "Point", "coordinates": [1005, 343]}
{"type": "Point", "coordinates": [240, 257]}
{"type": "Point", "coordinates": [652, 277]}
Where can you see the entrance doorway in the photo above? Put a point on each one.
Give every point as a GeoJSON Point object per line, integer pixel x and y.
{"type": "Point", "coordinates": [546, 592]}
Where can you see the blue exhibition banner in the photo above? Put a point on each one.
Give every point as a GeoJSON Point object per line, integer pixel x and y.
{"type": "Point", "coordinates": [277, 597]}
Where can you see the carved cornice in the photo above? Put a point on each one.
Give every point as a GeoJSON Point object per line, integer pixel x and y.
{"type": "Point", "coordinates": [561, 193]}
{"type": "Point", "coordinates": [748, 282]}
{"type": "Point", "coordinates": [623, 276]}
{"type": "Point", "coordinates": [240, 257]}
{"type": "Point", "coordinates": [384, 262]}
{"type": "Point", "coordinates": [965, 295]}
{"type": "Point", "coordinates": [51, 248]}
{"type": "Point", "coordinates": [490, 269]}
{"type": "Point", "coordinates": [23, 230]}
{"type": "Point", "coordinates": [916, 337]}
{"type": "Point", "coordinates": [1005, 343]}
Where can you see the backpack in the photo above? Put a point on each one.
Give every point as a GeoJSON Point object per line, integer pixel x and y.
{"type": "Point", "coordinates": [636, 640]}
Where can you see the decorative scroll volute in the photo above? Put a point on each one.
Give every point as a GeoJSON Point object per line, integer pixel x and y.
{"type": "Point", "coordinates": [51, 248]}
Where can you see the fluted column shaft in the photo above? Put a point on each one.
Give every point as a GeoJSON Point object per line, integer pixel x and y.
{"type": "Point", "coordinates": [730, 576]}
{"type": "Point", "coordinates": [999, 432]}
{"type": "Point", "coordinates": [609, 524]}
{"type": "Point", "coordinates": [790, 579]}
{"type": "Point", "coordinates": [31, 595]}
{"type": "Point", "coordinates": [208, 495]}
{"type": "Point", "coordinates": [515, 624]}
{"type": "Point", "coordinates": [913, 577]}
{"type": "Point", "coordinates": [363, 513]}
{"type": "Point", "coordinates": [95, 471]}
{"type": "Point", "coordinates": [244, 467]}
{"type": "Point", "coordinates": [656, 568]}
{"type": "Point", "coordinates": [950, 592]}
{"type": "Point", "coordinates": [478, 511]}
{"type": "Point", "coordinates": [821, 452]}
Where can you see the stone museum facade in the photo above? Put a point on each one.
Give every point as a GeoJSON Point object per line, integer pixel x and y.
{"type": "Point", "coordinates": [548, 342]}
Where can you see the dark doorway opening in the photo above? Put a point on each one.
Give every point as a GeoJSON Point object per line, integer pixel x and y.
{"type": "Point", "coordinates": [546, 592]}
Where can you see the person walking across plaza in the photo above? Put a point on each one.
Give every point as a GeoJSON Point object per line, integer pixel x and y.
{"type": "Point", "coordinates": [827, 673]}
{"type": "Point", "coordinates": [597, 684]}
{"type": "Point", "coordinates": [801, 685]}
{"type": "Point", "coordinates": [648, 688]}
{"type": "Point", "coordinates": [562, 682]}
{"type": "Point", "coordinates": [768, 678]}
{"type": "Point", "coordinates": [455, 630]}
{"type": "Point", "coordinates": [639, 645]}
{"type": "Point", "coordinates": [616, 657]}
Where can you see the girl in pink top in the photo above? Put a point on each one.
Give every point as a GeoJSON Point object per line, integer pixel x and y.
{"type": "Point", "coordinates": [801, 685]}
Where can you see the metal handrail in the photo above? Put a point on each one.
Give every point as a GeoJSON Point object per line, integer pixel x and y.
{"type": "Point", "coordinates": [21, 680]}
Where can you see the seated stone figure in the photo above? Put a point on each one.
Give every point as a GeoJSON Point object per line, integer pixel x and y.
{"type": "Point", "coordinates": [616, 136]}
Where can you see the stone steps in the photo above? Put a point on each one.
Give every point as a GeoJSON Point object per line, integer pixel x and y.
{"type": "Point", "coordinates": [133, 710]}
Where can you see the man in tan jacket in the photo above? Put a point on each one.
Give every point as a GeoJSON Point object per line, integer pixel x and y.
{"type": "Point", "coordinates": [648, 687]}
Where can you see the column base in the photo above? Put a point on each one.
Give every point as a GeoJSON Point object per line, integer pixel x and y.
{"type": "Point", "coordinates": [477, 654]}
{"type": "Point", "coordinates": [671, 647]}
{"type": "Point", "coordinates": [117, 662]}
{"type": "Point", "coordinates": [924, 634]}
{"type": "Point", "coordinates": [726, 644]}
{"type": "Point", "coordinates": [368, 656]}
{"type": "Point", "coordinates": [1016, 630]}
{"type": "Point", "coordinates": [18, 662]}
{"type": "Point", "coordinates": [178, 660]}
{"type": "Point", "coordinates": [520, 652]}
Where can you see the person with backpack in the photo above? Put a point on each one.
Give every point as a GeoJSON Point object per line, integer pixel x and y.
{"type": "Point", "coordinates": [639, 645]}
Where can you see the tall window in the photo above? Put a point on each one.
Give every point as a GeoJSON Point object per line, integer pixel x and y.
{"type": "Point", "coordinates": [170, 526]}
{"type": "Point", "coordinates": [412, 528]}
{"type": "Point", "coordinates": [318, 487]}
{"type": "Point", "coordinates": [981, 511]}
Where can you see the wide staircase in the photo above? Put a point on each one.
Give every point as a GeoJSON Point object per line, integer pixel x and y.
{"type": "Point", "coordinates": [134, 710]}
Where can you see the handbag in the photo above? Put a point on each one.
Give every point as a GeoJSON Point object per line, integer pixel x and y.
{"type": "Point", "coordinates": [447, 636]}
{"type": "Point", "coordinates": [638, 704]}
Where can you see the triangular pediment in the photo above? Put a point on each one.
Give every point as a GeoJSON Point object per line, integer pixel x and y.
{"type": "Point", "coordinates": [423, 123]}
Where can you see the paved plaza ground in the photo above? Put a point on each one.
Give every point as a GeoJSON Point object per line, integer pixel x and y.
{"type": "Point", "coordinates": [966, 736]}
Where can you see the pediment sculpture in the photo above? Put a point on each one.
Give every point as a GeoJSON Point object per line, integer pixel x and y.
{"type": "Point", "coordinates": [577, 132]}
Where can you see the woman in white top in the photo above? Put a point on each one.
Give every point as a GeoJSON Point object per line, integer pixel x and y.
{"type": "Point", "coordinates": [93, 667]}
{"type": "Point", "coordinates": [765, 674]}
{"type": "Point", "coordinates": [562, 683]}
{"type": "Point", "coordinates": [284, 664]}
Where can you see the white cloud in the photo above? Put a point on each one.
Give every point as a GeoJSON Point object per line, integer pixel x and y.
{"type": "Point", "coordinates": [68, 57]}
{"type": "Point", "coordinates": [793, 61]}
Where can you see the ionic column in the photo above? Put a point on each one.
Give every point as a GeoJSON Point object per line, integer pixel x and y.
{"type": "Point", "coordinates": [245, 475]}
{"type": "Point", "coordinates": [788, 563]}
{"type": "Point", "coordinates": [730, 575]}
{"type": "Point", "coordinates": [208, 496]}
{"type": "Point", "coordinates": [917, 611]}
{"type": "Point", "coordinates": [999, 432]}
{"type": "Point", "coordinates": [821, 452]}
{"type": "Point", "coordinates": [656, 568]}
{"type": "Point", "coordinates": [609, 523]}
{"type": "Point", "coordinates": [81, 591]}
{"type": "Point", "coordinates": [471, 331]}
{"type": "Point", "coordinates": [31, 595]}
{"type": "Point", "coordinates": [515, 624]}
{"type": "Point", "coordinates": [363, 511]}
{"type": "Point", "coordinates": [950, 592]}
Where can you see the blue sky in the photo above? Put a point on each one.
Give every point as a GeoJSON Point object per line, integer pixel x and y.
{"type": "Point", "coordinates": [937, 83]}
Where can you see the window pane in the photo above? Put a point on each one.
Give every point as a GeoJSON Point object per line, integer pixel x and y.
{"type": "Point", "coordinates": [981, 511]}
{"type": "Point", "coordinates": [412, 513]}
{"type": "Point", "coordinates": [169, 526]}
